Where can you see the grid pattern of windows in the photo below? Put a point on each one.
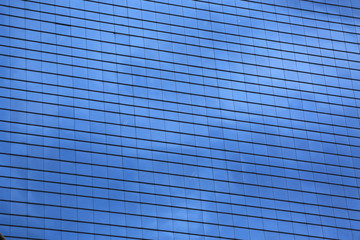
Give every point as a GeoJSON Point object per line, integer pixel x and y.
{"type": "Point", "coordinates": [165, 119]}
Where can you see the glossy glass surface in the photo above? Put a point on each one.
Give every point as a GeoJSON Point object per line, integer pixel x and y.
{"type": "Point", "coordinates": [164, 119]}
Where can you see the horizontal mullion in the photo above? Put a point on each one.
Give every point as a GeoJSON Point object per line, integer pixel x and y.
{"type": "Point", "coordinates": [84, 145]}
{"type": "Point", "coordinates": [222, 4]}
{"type": "Point", "coordinates": [235, 161]}
{"type": "Point", "coordinates": [62, 229]}
{"type": "Point", "coordinates": [171, 62]}
{"type": "Point", "coordinates": [177, 219]}
{"type": "Point", "coordinates": [346, 114]}
{"type": "Point", "coordinates": [224, 7]}
{"type": "Point", "coordinates": [241, 97]}
{"type": "Point", "coordinates": [151, 229]}
{"type": "Point", "coordinates": [187, 5]}
{"type": "Point", "coordinates": [245, 90]}
{"type": "Point", "coordinates": [333, 4]}
{"type": "Point", "coordinates": [214, 68]}
{"type": "Point", "coordinates": [37, 51]}
{"type": "Point", "coordinates": [276, 165]}
{"type": "Point", "coordinates": [98, 186]}
{"type": "Point", "coordinates": [184, 188]}
{"type": "Point", "coordinates": [233, 164]}
{"type": "Point", "coordinates": [215, 191]}
{"type": "Point", "coordinates": [281, 6]}
{"type": "Point", "coordinates": [148, 116]}
{"type": "Point", "coordinates": [166, 129]}
{"type": "Point", "coordinates": [202, 19]}
{"type": "Point", "coordinates": [16, 84]}
{"type": "Point", "coordinates": [230, 172]}
{"type": "Point", "coordinates": [142, 196]}
{"type": "Point", "coordinates": [197, 37]}
{"type": "Point", "coordinates": [235, 140]}
{"type": "Point", "coordinates": [272, 154]}
{"type": "Point", "coordinates": [238, 111]}
{"type": "Point", "coordinates": [183, 34]}
{"type": "Point", "coordinates": [62, 141]}
{"type": "Point", "coordinates": [272, 84]}
{"type": "Point", "coordinates": [183, 113]}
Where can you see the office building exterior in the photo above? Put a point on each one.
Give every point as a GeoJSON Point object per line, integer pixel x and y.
{"type": "Point", "coordinates": [164, 119]}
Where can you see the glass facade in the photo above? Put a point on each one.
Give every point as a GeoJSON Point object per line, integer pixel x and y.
{"type": "Point", "coordinates": [165, 119]}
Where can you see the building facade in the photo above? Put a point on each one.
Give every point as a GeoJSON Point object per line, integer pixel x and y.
{"type": "Point", "coordinates": [164, 119]}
